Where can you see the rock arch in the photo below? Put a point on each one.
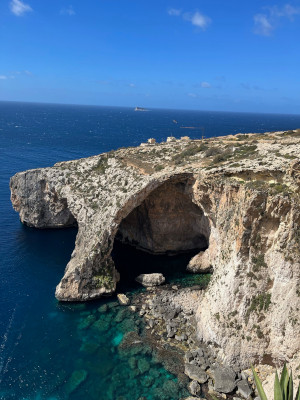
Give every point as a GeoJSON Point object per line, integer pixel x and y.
{"type": "Point", "coordinates": [167, 221]}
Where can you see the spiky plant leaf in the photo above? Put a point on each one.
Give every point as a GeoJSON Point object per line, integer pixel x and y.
{"type": "Point", "coordinates": [277, 389]}
{"type": "Point", "coordinates": [284, 380]}
{"type": "Point", "coordinates": [258, 384]}
{"type": "Point", "coordinates": [290, 388]}
{"type": "Point", "coordinates": [298, 393]}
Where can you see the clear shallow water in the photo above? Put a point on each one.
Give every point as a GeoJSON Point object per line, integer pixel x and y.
{"type": "Point", "coordinates": [43, 342]}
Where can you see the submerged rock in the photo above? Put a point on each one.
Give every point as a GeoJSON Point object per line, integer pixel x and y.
{"type": "Point", "coordinates": [101, 325]}
{"type": "Point", "coordinates": [89, 347]}
{"type": "Point", "coordinates": [75, 380]}
{"type": "Point", "coordinates": [143, 365]}
{"type": "Point", "coordinates": [86, 322]}
{"type": "Point", "coordinates": [150, 280]}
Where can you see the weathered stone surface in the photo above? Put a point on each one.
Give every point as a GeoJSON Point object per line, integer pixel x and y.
{"type": "Point", "coordinates": [244, 389]}
{"type": "Point", "coordinates": [150, 280]}
{"type": "Point", "coordinates": [194, 388]}
{"type": "Point", "coordinates": [123, 299]}
{"type": "Point", "coordinates": [195, 373]}
{"type": "Point", "coordinates": [224, 379]}
{"type": "Point", "coordinates": [200, 263]}
{"type": "Point", "coordinates": [245, 206]}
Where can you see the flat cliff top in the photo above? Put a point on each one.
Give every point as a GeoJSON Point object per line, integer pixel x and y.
{"type": "Point", "coordinates": [263, 158]}
{"type": "Point", "coordinates": [271, 150]}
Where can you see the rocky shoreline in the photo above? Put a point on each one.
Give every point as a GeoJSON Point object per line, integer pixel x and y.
{"type": "Point", "coordinates": [236, 198]}
{"type": "Point", "coordinates": [170, 326]}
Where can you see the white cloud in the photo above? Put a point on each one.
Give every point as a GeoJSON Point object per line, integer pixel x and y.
{"type": "Point", "coordinates": [15, 74]}
{"type": "Point", "coordinates": [195, 18]}
{"type": "Point", "coordinates": [67, 11]}
{"type": "Point", "coordinates": [205, 85]}
{"type": "Point", "coordinates": [193, 95]}
{"type": "Point", "coordinates": [287, 11]}
{"type": "Point", "coordinates": [174, 11]}
{"type": "Point", "coordinates": [262, 25]}
{"type": "Point", "coordinates": [19, 8]}
{"type": "Point", "coordinates": [198, 19]}
{"type": "Point", "coordinates": [265, 23]}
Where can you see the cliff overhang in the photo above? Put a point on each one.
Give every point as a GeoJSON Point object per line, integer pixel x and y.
{"type": "Point", "coordinates": [234, 198]}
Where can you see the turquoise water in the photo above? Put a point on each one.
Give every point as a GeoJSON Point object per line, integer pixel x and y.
{"type": "Point", "coordinates": [74, 351]}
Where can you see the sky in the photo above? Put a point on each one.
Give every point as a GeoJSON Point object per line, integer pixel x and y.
{"type": "Point", "coordinates": [204, 55]}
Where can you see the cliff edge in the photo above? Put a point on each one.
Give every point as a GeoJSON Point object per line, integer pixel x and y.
{"type": "Point", "coordinates": [236, 198]}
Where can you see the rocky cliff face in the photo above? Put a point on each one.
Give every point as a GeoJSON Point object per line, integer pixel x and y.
{"type": "Point", "coordinates": [237, 196]}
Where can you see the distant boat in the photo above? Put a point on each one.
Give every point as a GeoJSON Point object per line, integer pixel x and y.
{"type": "Point", "coordinates": [175, 122]}
{"type": "Point", "coordinates": [140, 109]}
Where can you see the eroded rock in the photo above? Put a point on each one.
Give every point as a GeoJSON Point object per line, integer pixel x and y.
{"type": "Point", "coordinates": [224, 379]}
{"type": "Point", "coordinates": [150, 280]}
{"type": "Point", "coordinates": [195, 373]}
{"type": "Point", "coordinates": [244, 207]}
{"type": "Point", "coordinates": [200, 263]}
{"type": "Point", "coordinates": [123, 299]}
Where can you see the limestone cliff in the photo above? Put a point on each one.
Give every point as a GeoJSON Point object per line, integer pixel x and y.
{"type": "Point", "coordinates": [236, 198]}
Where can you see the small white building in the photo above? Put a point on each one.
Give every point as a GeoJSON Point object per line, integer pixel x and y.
{"type": "Point", "coordinates": [171, 139]}
{"type": "Point", "coordinates": [185, 138]}
{"type": "Point", "coordinates": [151, 141]}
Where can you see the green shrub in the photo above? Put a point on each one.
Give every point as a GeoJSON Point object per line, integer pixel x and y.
{"type": "Point", "coordinates": [189, 152]}
{"type": "Point", "coordinates": [101, 165]}
{"type": "Point", "coordinates": [259, 262]}
{"type": "Point", "coordinates": [212, 151]}
{"type": "Point", "coordinates": [280, 188]}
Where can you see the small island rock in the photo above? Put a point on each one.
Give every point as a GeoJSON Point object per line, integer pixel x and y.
{"type": "Point", "coordinates": [123, 299]}
{"type": "Point", "coordinates": [150, 280]}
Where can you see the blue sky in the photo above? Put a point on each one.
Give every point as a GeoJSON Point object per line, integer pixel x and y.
{"type": "Point", "coordinates": [206, 55]}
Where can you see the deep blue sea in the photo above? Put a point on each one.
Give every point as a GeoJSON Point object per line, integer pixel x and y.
{"type": "Point", "coordinates": [57, 351]}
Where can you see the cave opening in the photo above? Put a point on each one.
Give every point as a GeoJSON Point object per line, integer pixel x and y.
{"type": "Point", "coordinates": [162, 234]}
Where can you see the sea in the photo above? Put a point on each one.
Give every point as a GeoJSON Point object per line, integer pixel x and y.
{"type": "Point", "coordinates": [60, 351]}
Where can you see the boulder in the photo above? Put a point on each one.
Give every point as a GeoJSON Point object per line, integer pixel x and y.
{"type": "Point", "coordinates": [123, 299]}
{"type": "Point", "coordinates": [195, 373]}
{"type": "Point", "coordinates": [194, 388]}
{"type": "Point", "coordinates": [150, 280]}
{"type": "Point", "coordinates": [244, 389]}
{"type": "Point", "coordinates": [191, 398]}
{"type": "Point", "coordinates": [224, 378]}
{"type": "Point", "coordinates": [200, 263]}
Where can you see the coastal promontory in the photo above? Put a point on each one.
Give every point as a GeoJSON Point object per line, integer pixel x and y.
{"type": "Point", "coordinates": [234, 198]}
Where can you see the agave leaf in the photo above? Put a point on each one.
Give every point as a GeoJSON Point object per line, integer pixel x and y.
{"type": "Point", "coordinates": [277, 389]}
{"type": "Point", "coordinates": [298, 393]}
{"type": "Point", "coordinates": [284, 380]}
{"type": "Point", "coordinates": [258, 384]}
{"type": "Point", "coordinates": [290, 387]}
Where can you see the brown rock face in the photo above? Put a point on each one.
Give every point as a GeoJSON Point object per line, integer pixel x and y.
{"type": "Point", "coordinates": [178, 196]}
{"type": "Point", "coordinates": [167, 221]}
